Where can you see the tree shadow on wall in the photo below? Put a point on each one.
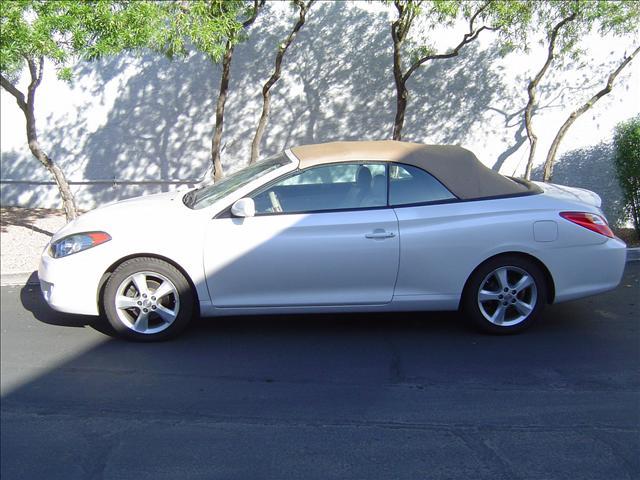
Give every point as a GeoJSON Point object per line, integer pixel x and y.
{"type": "Point", "coordinates": [591, 168]}
{"type": "Point", "coordinates": [450, 96]}
{"type": "Point", "coordinates": [555, 93]}
{"type": "Point", "coordinates": [337, 84]}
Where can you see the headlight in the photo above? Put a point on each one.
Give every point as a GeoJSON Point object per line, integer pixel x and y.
{"type": "Point", "coordinates": [77, 242]}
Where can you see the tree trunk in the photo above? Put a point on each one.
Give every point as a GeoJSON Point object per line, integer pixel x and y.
{"type": "Point", "coordinates": [635, 213]}
{"type": "Point", "coordinates": [399, 30]}
{"type": "Point", "coordinates": [28, 108]}
{"type": "Point", "coordinates": [551, 155]}
{"type": "Point", "coordinates": [533, 138]}
{"type": "Point", "coordinates": [275, 76]}
{"type": "Point", "coordinates": [222, 93]}
{"type": "Point", "coordinates": [401, 107]}
{"type": "Point", "coordinates": [532, 89]}
{"type": "Point", "coordinates": [222, 100]}
{"type": "Point", "coordinates": [262, 125]}
{"type": "Point", "coordinates": [398, 33]}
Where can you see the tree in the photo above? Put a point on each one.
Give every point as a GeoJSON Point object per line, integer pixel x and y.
{"type": "Point", "coordinates": [627, 161]}
{"type": "Point", "coordinates": [224, 85]}
{"type": "Point", "coordinates": [502, 15]}
{"type": "Point", "coordinates": [551, 155]}
{"type": "Point", "coordinates": [213, 27]}
{"type": "Point", "coordinates": [303, 8]}
{"type": "Point", "coordinates": [565, 23]}
{"type": "Point", "coordinates": [34, 32]}
{"type": "Point", "coordinates": [532, 89]}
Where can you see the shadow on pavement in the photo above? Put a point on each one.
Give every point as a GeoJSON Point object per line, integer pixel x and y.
{"type": "Point", "coordinates": [33, 301]}
{"type": "Point", "coordinates": [326, 396]}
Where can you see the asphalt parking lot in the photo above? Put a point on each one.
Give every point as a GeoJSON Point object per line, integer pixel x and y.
{"type": "Point", "coordinates": [349, 396]}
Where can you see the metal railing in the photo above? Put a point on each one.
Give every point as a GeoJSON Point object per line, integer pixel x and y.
{"type": "Point", "coordinates": [105, 182]}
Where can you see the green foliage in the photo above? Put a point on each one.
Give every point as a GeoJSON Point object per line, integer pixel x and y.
{"type": "Point", "coordinates": [428, 15]}
{"type": "Point", "coordinates": [627, 161]}
{"type": "Point", "coordinates": [616, 17]}
{"type": "Point", "coordinates": [422, 51]}
{"type": "Point", "coordinates": [109, 27]}
{"type": "Point", "coordinates": [206, 25]}
{"type": "Point", "coordinates": [444, 11]}
{"type": "Point", "coordinates": [65, 73]}
{"type": "Point", "coordinates": [62, 31]}
{"type": "Point", "coordinates": [515, 19]}
{"type": "Point", "coordinates": [512, 20]}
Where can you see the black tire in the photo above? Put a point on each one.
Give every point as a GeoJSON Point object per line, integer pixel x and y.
{"type": "Point", "coordinates": [508, 306]}
{"type": "Point", "coordinates": [164, 317]}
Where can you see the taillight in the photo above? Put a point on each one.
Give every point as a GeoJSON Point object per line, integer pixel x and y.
{"type": "Point", "coordinates": [595, 223]}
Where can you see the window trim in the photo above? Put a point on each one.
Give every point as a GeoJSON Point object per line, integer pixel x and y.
{"type": "Point", "coordinates": [226, 212]}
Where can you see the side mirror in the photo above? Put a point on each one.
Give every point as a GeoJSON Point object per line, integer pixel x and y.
{"type": "Point", "coordinates": [245, 207]}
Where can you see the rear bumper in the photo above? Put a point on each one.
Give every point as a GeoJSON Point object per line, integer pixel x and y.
{"type": "Point", "coordinates": [583, 271]}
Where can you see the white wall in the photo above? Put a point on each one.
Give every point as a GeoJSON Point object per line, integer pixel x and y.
{"type": "Point", "coordinates": [146, 119]}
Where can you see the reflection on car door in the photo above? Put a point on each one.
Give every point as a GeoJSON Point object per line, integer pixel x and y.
{"type": "Point", "coordinates": [330, 258]}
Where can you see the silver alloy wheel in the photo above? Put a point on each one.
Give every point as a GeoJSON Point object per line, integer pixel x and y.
{"type": "Point", "coordinates": [147, 302]}
{"type": "Point", "coordinates": [507, 296]}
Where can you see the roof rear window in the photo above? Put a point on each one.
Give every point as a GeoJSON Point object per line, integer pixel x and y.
{"type": "Point", "coordinates": [409, 185]}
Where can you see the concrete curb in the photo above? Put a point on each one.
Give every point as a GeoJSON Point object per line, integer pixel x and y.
{"type": "Point", "coordinates": [31, 278]}
{"type": "Point", "coordinates": [25, 278]}
{"type": "Point", "coordinates": [633, 254]}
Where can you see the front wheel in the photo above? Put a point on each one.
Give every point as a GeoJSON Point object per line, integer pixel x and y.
{"type": "Point", "coordinates": [147, 299]}
{"type": "Point", "coordinates": [505, 295]}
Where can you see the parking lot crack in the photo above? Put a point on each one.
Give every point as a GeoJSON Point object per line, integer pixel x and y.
{"type": "Point", "coordinates": [395, 364]}
{"type": "Point", "coordinates": [500, 466]}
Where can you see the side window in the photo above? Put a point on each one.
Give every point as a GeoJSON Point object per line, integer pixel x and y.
{"type": "Point", "coordinates": [339, 186]}
{"type": "Point", "coordinates": [342, 173]}
{"type": "Point", "coordinates": [409, 185]}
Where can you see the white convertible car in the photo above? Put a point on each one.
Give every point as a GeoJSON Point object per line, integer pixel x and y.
{"type": "Point", "coordinates": [337, 227]}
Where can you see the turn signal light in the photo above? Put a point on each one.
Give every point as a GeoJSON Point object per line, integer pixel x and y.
{"type": "Point", "coordinates": [595, 223]}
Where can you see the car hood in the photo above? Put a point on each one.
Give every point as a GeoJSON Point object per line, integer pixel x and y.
{"type": "Point", "coordinates": [571, 193]}
{"type": "Point", "coordinates": [135, 212]}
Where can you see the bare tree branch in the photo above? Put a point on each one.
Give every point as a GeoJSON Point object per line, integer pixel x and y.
{"type": "Point", "coordinates": [216, 141]}
{"type": "Point", "coordinates": [17, 94]}
{"type": "Point", "coordinates": [532, 91]}
{"type": "Point", "coordinates": [399, 31]}
{"type": "Point", "coordinates": [257, 5]}
{"type": "Point", "coordinates": [27, 105]}
{"type": "Point", "coordinates": [551, 155]}
{"type": "Point", "coordinates": [40, 71]}
{"type": "Point", "coordinates": [468, 37]}
{"type": "Point", "coordinates": [275, 76]}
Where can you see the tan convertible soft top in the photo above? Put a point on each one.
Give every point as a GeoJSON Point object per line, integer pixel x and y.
{"type": "Point", "coordinates": [456, 168]}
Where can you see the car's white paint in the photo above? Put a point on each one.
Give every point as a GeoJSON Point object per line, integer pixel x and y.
{"type": "Point", "coordinates": [313, 259]}
{"type": "Point", "coordinates": [243, 208]}
{"type": "Point", "coordinates": [325, 262]}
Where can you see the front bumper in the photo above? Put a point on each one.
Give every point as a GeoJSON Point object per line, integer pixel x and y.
{"type": "Point", "coordinates": [70, 284]}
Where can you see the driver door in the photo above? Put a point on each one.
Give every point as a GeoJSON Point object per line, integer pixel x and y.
{"type": "Point", "coordinates": [320, 237]}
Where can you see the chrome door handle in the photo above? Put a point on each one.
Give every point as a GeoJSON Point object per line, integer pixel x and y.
{"type": "Point", "coordinates": [378, 234]}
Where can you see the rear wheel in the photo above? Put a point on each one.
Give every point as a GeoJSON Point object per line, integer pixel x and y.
{"type": "Point", "coordinates": [147, 299]}
{"type": "Point", "coordinates": [505, 294]}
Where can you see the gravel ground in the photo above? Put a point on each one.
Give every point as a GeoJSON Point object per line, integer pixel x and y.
{"type": "Point", "coordinates": [24, 232]}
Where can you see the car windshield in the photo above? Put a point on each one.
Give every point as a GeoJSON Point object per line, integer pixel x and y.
{"type": "Point", "coordinates": [204, 196]}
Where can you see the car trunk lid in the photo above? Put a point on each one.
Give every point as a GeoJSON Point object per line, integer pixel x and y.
{"type": "Point", "coordinates": [571, 193]}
